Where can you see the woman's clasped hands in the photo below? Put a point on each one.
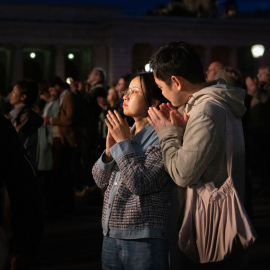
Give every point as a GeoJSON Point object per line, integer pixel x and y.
{"type": "Point", "coordinates": [118, 127]}
{"type": "Point", "coordinates": [118, 131]}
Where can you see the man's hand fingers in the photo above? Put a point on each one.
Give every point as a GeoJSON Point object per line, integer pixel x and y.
{"type": "Point", "coordinates": [173, 119]}
{"type": "Point", "coordinates": [159, 114]}
{"type": "Point", "coordinates": [150, 121]}
{"type": "Point", "coordinates": [153, 115]}
{"type": "Point", "coordinates": [172, 108]}
{"type": "Point", "coordinates": [165, 110]}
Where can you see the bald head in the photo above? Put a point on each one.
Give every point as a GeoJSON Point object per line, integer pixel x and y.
{"type": "Point", "coordinates": [213, 69]}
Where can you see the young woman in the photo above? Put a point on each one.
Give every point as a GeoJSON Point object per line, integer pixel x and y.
{"type": "Point", "coordinates": [136, 201]}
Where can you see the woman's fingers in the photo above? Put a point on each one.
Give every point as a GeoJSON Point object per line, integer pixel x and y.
{"type": "Point", "coordinates": [113, 117]}
{"type": "Point", "coordinates": [108, 124]}
{"type": "Point", "coordinates": [118, 116]}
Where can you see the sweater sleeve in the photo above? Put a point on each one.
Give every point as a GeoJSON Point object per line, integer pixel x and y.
{"type": "Point", "coordinates": [186, 161]}
{"type": "Point", "coordinates": [102, 172]}
{"type": "Point", "coordinates": [142, 175]}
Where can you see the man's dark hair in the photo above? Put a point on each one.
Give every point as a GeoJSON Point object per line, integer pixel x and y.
{"type": "Point", "coordinates": [55, 80]}
{"type": "Point", "coordinates": [30, 89]}
{"type": "Point", "coordinates": [43, 87]}
{"type": "Point", "coordinates": [177, 59]}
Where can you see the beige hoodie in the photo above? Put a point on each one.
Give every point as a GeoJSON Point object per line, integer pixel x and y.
{"type": "Point", "coordinates": [199, 152]}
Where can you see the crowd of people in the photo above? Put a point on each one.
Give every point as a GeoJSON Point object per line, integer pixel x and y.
{"type": "Point", "coordinates": [147, 138]}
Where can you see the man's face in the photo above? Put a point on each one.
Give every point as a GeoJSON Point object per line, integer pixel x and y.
{"type": "Point", "coordinates": [16, 98]}
{"type": "Point", "coordinates": [170, 92]}
{"type": "Point", "coordinates": [263, 75]}
{"type": "Point", "coordinates": [213, 69]}
{"type": "Point", "coordinates": [54, 91]}
{"type": "Point", "coordinates": [93, 77]}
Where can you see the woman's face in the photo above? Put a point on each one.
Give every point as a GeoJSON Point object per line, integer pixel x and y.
{"type": "Point", "coordinates": [111, 95]}
{"type": "Point", "coordinates": [16, 98]}
{"type": "Point", "coordinates": [120, 86]}
{"type": "Point", "coordinates": [134, 103]}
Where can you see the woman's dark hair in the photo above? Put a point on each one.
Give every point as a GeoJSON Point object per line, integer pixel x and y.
{"type": "Point", "coordinates": [177, 59]}
{"type": "Point", "coordinates": [151, 90]}
{"type": "Point", "coordinates": [30, 89]}
{"type": "Point", "coordinates": [127, 79]}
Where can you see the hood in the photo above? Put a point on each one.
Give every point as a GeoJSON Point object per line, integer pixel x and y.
{"type": "Point", "coordinates": [220, 90]}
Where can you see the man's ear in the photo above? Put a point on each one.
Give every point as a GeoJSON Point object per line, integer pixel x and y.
{"type": "Point", "coordinates": [176, 83]}
{"type": "Point", "coordinates": [155, 103]}
{"type": "Point", "coordinates": [23, 97]}
{"type": "Point", "coordinates": [57, 86]}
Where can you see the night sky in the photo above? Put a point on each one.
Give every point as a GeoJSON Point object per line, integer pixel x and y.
{"type": "Point", "coordinates": [140, 7]}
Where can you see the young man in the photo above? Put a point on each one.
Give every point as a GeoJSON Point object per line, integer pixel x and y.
{"type": "Point", "coordinates": [193, 144]}
{"type": "Point", "coordinates": [23, 117]}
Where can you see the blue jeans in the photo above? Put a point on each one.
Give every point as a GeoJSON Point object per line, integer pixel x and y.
{"type": "Point", "coordinates": [135, 254]}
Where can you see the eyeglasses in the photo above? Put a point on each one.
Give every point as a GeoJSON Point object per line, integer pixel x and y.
{"type": "Point", "coordinates": [130, 92]}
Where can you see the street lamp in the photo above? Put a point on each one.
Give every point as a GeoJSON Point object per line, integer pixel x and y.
{"type": "Point", "coordinates": [257, 50]}
{"type": "Point", "coordinates": [148, 68]}
{"type": "Point", "coordinates": [32, 55]}
{"type": "Point", "coordinates": [71, 56]}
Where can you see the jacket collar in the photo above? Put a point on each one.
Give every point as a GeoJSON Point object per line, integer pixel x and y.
{"type": "Point", "coordinates": [142, 136]}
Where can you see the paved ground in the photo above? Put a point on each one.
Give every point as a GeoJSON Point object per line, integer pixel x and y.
{"type": "Point", "coordinates": [73, 242]}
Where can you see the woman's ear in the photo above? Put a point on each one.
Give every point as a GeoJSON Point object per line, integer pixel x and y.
{"type": "Point", "coordinates": [155, 103]}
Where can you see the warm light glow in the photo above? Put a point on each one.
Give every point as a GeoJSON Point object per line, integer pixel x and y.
{"type": "Point", "coordinates": [148, 68]}
{"type": "Point", "coordinates": [69, 80]}
{"type": "Point", "coordinates": [71, 56]}
{"type": "Point", "coordinates": [32, 55]}
{"type": "Point", "coordinates": [257, 50]}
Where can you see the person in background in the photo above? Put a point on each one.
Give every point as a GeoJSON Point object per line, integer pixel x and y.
{"type": "Point", "coordinates": [23, 118]}
{"type": "Point", "coordinates": [67, 125]}
{"type": "Point", "coordinates": [231, 76]}
{"type": "Point", "coordinates": [138, 189]}
{"type": "Point", "coordinates": [81, 88]}
{"type": "Point", "coordinates": [259, 127]}
{"type": "Point", "coordinates": [213, 69]}
{"type": "Point", "coordinates": [25, 200]}
{"type": "Point", "coordinates": [112, 97]}
{"type": "Point", "coordinates": [45, 147]}
{"type": "Point", "coordinates": [96, 102]}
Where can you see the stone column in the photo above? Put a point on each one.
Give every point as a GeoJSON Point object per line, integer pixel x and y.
{"type": "Point", "coordinates": [17, 73]}
{"type": "Point", "coordinates": [60, 62]}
